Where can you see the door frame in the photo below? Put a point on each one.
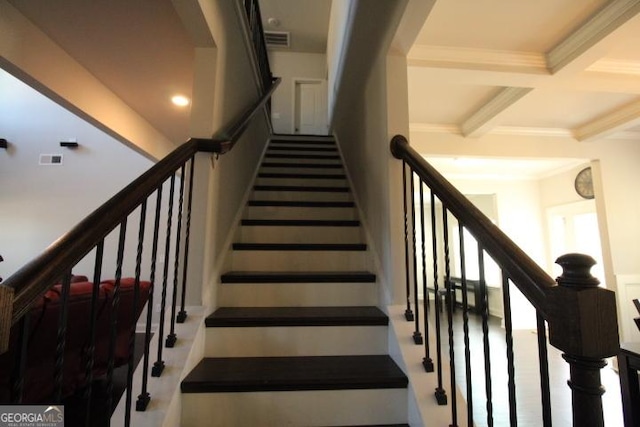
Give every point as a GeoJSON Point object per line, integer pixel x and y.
{"type": "Point", "coordinates": [294, 104]}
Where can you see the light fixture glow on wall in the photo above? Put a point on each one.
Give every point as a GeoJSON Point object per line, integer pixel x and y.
{"type": "Point", "coordinates": [180, 100]}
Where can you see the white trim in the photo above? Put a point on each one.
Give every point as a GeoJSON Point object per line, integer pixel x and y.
{"type": "Point", "coordinates": [323, 86]}
{"type": "Point", "coordinates": [620, 119]}
{"type": "Point", "coordinates": [597, 27]}
{"type": "Point", "coordinates": [479, 122]}
{"type": "Point", "coordinates": [615, 66]}
{"type": "Point", "coordinates": [482, 59]}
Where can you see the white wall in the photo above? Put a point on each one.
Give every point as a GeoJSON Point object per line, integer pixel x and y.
{"type": "Point", "coordinates": [28, 51]}
{"type": "Point", "coordinates": [615, 167]}
{"type": "Point", "coordinates": [40, 203]}
{"type": "Point", "coordinates": [290, 66]}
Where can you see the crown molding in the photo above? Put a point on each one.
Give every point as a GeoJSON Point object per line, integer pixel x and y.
{"type": "Point", "coordinates": [498, 130]}
{"type": "Point", "coordinates": [477, 59]}
{"type": "Point", "coordinates": [615, 66]}
{"type": "Point", "coordinates": [482, 120]}
{"type": "Point", "coordinates": [597, 27]}
{"type": "Point", "coordinates": [532, 131]}
{"type": "Point", "coordinates": [434, 128]}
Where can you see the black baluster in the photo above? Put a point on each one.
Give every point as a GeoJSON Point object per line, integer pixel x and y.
{"type": "Point", "coordinates": [58, 372]}
{"type": "Point", "coordinates": [441, 394]}
{"type": "Point", "coordinates": [451, 302]}
{"type": "Point", "coordinates": [182, 315]}
{"type": "Point", "coordinates": [115, 304]}
{"type": "Point", "coordinates": [171, 338]}
{"type": "Point", "coordinates": [20, 361]}
{"type": "Point", "coordinates": [465, 326]}
{"type": "Point", "coordinates": [543, 357]}
{"type": "Point", "coordinates": [158, 366]}
{"type": "Point", "coordinates": [91, 347]}
{"type": "Point", "coordinates": [408, 314]}
{"type": "Point", "coordinates": [136, 298]}
{"type": "Point", "coordinates": [485, 335]}
{"type": "Point", "coordinates": [427, 363]}
{"type": "Point", "coordinates": [144, 397]}
{"type": "Point", "coordinates": [508, 329]}
{"type": "Point", "coordinates": [417, 336]}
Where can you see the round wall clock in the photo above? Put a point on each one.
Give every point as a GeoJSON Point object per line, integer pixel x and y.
{"type": "Point", "coordinates": [584, 183]}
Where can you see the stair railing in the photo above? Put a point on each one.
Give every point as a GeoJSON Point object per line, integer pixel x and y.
{"type": "Point", "coordinates": [580, 316]}
{"type": "Point", "coordinates": [22, 293]}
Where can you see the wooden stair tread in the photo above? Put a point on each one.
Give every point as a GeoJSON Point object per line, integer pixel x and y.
{"type": "Point", "coordinates": [255, 374]}
{"type": "Point", "coordinates": [300, 175]}
{"type": "Point", "coordinates": [302, 165]}
{"type": "Point", "coordinates": [298, 277]}
{"type": "Point", "coordinates": [306, 156]}
{"type": "Point", "coordinates": [313, 189]}
{"type": "Point", "coordinates": [299, 247]}
{"type": "Point", "coordinates": [301, 222]}
{"type": "Point", "coordinates": [301, 204]}
{"type": "Point", "coordinates": [302, 147]}
{"type": "Point", "coordinates": [297, 316]}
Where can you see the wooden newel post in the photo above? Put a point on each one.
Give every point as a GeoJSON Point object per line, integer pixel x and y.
{"type": "Point", "coordinates": [583, 324]}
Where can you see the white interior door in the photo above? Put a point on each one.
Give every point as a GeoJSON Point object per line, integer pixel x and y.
{"type": "Point", "coordinates": [310, 108]}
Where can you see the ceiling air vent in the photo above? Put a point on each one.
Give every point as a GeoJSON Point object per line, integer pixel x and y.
{"type": "Point", "coordinates": [277, 38]}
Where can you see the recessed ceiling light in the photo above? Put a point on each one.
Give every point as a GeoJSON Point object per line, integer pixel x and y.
{"type": "Point", "coordinates": [180, 100]}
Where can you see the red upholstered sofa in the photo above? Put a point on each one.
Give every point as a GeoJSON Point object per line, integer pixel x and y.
{"type": "Point", "coordinates": [39, 384]}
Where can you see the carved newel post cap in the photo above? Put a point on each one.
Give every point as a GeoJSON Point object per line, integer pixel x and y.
{"type": "Point", "coordinates": [576, 271]}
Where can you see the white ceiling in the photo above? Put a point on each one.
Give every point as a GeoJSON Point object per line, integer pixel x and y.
{"type": "Point", "coordinates": [567, 68]}
{"type": "Point", "coordinates": [138, 49]}
{"type": "Point", "coordinates": [551, 67]}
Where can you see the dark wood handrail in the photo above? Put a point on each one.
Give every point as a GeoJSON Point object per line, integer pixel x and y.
{"type": "Point", "coordinates": [528, 276]}
{"type": "Point", "coordinates": [34, 278]}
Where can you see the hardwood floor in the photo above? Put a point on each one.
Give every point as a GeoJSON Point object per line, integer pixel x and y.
{"type": "Point", "coordinates": [527, 377]}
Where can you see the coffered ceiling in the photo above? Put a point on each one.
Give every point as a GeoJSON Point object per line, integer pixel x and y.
{"type": "Point", "coordinates": [566, 68]}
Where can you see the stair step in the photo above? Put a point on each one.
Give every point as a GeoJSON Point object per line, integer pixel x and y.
{"type": "Point", "coordinates": [296, 316]}
{"type": "Point", "coordinates": [301, 148]}
{"type": "Point", "coordinates": [290, 258]}
{"type": "Point", "coordinates": [301, 222]}
{"type": "Point", "coordinates": [297, 277]}
{"type": "Point", "coordinates": [301, 165]}
{"type": "Point", "coordinates": [301, 188]}
{"type": "Point", "coordinates": [301, 204]}
{"type": "Point", "coordinates": [314, 141]}
{"type": "Point", "coordinates": [302, 176]}
{"type": "Point", "coordinates": [299, 231]}
{"type": "Point", "coordinates": [299, 247]}
{"type": "Point", "coordinates": [302, 156]}
{"type": "Point", "coordinates": [297, 210]}
{"type": "Point", "coordinates": [253, 374]}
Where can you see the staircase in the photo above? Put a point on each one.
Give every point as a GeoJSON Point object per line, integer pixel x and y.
{"type": "Point", "coordinates": [298, 338]}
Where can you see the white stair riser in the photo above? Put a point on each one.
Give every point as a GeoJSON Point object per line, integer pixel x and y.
{"type": "Point", "coordinates": [250, 260]}
{"type": "Point", "coordinates": [311, 182]}
{"type": "Point", "coordinates": [295, 341]}
{"type": "Point", "coordinates": [297, 408]}
{"type": "Point", "coordinates": [295, 234]}
{"type": "Point", "coordinates": [276, 212]}
{"type": "Point", "coordinates": [296, 294]}
{"type": "Point", "coordinates": [306, 196]}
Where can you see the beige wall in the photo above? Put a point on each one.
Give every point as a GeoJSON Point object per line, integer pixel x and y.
{"type": "Point", "coordinates": [29, 54]}
{"type": "Point", "coordinates": [370, 92]}
{"type": "Point", "coordinates": [222, 184]}
{"type": "Point", "coordinates": [290, 66]}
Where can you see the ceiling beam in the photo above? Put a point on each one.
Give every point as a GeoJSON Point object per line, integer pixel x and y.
{"type": "Point", "coordinates": [615, 121]}
{"type": "Point", "coordinates": [487, 116]}
{"type": "Point", "coordinates": [582, 41]}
